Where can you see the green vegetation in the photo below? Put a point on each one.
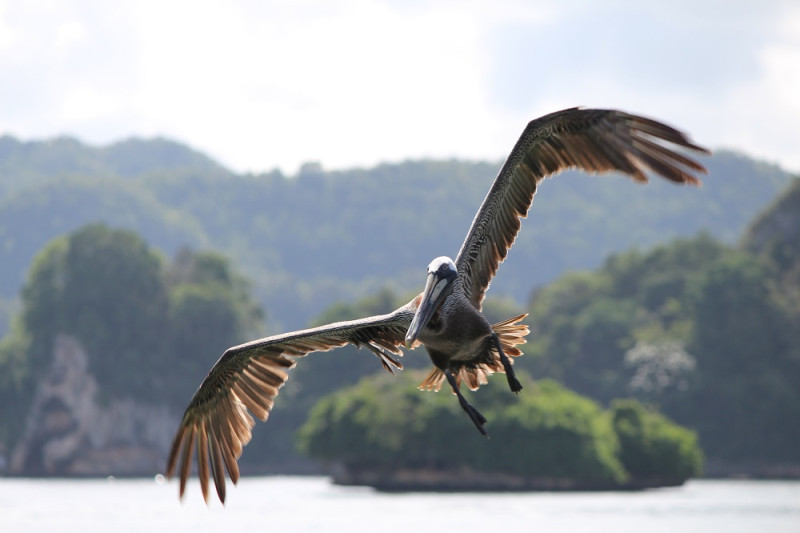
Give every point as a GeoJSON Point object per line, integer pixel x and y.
{"type": "Point", "coordinates": [385, 425]}
{"type": "Point", "coordinates": [652, 447]}
{"type": "Point", "coordinates": [23, 164]}
{"type": "Point", "coordinates": [151, 330]}
{"type": "Point", "coordinates": [321, 237]}
{"type": "Point", "coordinates": [774, 236]}
{"type": "Point", "coordinates": [699, 328]}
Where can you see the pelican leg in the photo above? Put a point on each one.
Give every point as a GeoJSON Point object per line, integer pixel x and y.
{"type": "Point", "coordinates": [513, 382]}
{"type": "Point", "coordinates": [477, 418]}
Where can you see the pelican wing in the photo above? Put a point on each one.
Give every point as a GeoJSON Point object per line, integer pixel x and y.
{"type": "Point", "coordinates": [593, 140]}
{"type": "Point", "coordinates": [247, 378]}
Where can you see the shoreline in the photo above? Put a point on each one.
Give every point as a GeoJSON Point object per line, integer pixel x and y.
{"type": "Point", "coordinates": [467, 480]}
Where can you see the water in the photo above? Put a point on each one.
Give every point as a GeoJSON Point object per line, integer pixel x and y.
{"type": "Point", "coordinates": [296, 504]}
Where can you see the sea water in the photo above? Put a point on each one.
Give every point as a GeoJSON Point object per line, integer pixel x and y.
{"type": "Point", "coordinates": [296, 504]}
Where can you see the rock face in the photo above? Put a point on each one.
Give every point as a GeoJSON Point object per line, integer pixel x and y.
{"type": "Point", "coordinates": [69, 432]}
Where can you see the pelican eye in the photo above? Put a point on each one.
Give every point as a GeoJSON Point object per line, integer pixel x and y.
{"type": "Point", "coordinates": [446, 270]}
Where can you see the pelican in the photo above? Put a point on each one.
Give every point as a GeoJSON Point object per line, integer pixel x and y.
{"type": "Point", "coordinates": [446, 317]}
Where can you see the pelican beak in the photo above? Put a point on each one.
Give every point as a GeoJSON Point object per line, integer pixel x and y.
{"type": "Point", "coordinates": [437, 288]}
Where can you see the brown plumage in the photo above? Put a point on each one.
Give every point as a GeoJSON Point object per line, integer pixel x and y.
{"type": "Point", "coordinates": [247, 378]}
{"type": "Point", "coordinates": [446, 317]}
{"type": "Point", "coordinates": [592, 140]}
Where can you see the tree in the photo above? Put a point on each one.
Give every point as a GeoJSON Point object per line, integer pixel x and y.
{"type": "Point", "coordinates": [209, 310]}
{"type": "Point", "coordinates": [698, 328]}
{"type": "Point", "coordinates": [746, 384]}
{"type": "Point", "coordinates": [105, 288]}
{"type": "Point", "coordinates": [652, 447]}
{"type": "Point", "coordinates": [15, 385]}
{"type": "Point", "coordinates": [151, 331]}
{"type": "Point", "coordinates": [385, 425]}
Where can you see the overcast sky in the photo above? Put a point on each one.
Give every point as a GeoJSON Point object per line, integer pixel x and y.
{"type": "Point", "coordinates": [261, 85]}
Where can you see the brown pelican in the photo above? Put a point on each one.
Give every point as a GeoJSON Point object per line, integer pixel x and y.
{"type": "Point", "coordinates": [446, 317]}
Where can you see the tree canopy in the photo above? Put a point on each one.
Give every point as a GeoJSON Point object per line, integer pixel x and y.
{"type": "Point", "coordinates": [151, 329]}
{"type": "Point", "coordinates": [387, 425]}
{"type": "Point", "coordinates": [702, 329]}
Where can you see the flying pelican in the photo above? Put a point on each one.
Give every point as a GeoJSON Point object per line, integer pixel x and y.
{"type": "Point", "coordinates": [446, 317]}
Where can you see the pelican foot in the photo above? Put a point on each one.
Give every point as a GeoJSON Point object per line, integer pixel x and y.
{"type": "Point", "coordinates": [477, 418]}
{"type": "Point", "coordinates": [511, 377]}
{"type": "Point", "coordinates": [513, 382]}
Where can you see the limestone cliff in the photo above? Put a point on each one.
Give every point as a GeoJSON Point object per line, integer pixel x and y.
{"type": "Point", "coordinates": [70, 432]}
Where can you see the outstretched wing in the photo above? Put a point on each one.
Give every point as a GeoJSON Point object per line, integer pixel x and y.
{"type": "Point", "coordinates": [247, 377]}
{"type": "Point", "coordinates": [593, 140]}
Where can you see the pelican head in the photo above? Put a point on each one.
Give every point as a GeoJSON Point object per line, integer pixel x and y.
{"type": "Point", "coordinates": [442, 273]}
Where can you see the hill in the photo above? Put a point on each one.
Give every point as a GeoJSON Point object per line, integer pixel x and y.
{"type": "Point", "coordinates": [319, 237]}
{"type": "Point", "coordinates": [697, 326]}
{"type": "Point", "coordinates": [703, 329]}
{"type": "Point", "coordinates": [28, 163]}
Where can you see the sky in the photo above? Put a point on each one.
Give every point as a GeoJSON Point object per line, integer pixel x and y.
{"type": "Point", "coordinates": [260, 85]}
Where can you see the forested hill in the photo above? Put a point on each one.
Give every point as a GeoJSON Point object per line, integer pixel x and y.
{"type": "Point", "coordinates": [23, 164]}
{"type": "Point", "coordinates": [317, 237]}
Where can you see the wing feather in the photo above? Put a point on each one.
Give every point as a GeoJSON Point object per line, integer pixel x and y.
{"type": "Point", "coordinates": [186, 456]}
{"type": "Point", "coordinates": [230, 452]}
{"type": "Point", "coordinates": [202, 458]}
{"type": "Point", "coordinates": [593, 140]}
{"type": "Point", "coordinates": [246, 379]}
{"type": "Point", "coordinates": [217, 463]}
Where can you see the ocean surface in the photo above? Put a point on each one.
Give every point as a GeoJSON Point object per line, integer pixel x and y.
{"type": "Point", "coordinates": [296, 504]}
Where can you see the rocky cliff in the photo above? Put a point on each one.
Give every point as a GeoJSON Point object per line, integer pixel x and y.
{"type": "Point", "coordinates": [70, 431]}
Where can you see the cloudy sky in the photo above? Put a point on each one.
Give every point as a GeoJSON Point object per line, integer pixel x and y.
{"type": "Point", "coordinates": [268, 84]}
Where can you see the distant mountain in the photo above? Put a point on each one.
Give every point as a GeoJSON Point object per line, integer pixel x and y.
{"type": "Point", "coordinates": [23, 164]}
{"type": "Point", "coordinates": [775, 234]}
{"type": "Point", "coordinates": [319, 237]}
{"type": "Point", "coordinates": [34, 215]}
{"type": "Point", "coordinates": [780, 223]}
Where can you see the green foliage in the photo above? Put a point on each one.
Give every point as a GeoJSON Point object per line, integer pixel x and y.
{"type": "Point", "coordinates": [112, 293]}
{"type": "Point", "coordinates": [736, 294]}
{"type": "Point", "coordinates": [696, 327]}
{"type": "Point", "coordinates": [379, 416]}
{"type": "Point", "coordinates": [655, 277]}
{"type": "Point", "coordinates": [588, 346]}
{"type": "Point", "coordinates": [41, 296]}
{"type": "Point", "coordinates": [586, 322]}
{"type": "Point", "coordinates": [32, 217]}
{"type": "Point", "coordinates": [337, 236]}
{"type": "Point", "coordinates": [103, 287]}
{"type": "Point", "coordinates": [202, 320]}
{"type": "Point", "coordinates": [554, 432]}
{"type": "Point", "coordinates": [209, 310]}
{"type": "Point", "coordinates": [151, 331]}
{"type": "Point", "coordinates": [747, 372]}
{"type": "Point", "coordinates": [652, 447]}
{"type": "Point", "coordinates": [325, 237]}
{"type": "Point", "coordinates": [23, 164]}
{"type": "Point", "coordinates": [775, 237]}
{"type": "Point", "coordinates": [15, 385]}
{"type": "Point", "coordinates": [8, 308]}
{"type": "Point", "coordinates": [385, 423]}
